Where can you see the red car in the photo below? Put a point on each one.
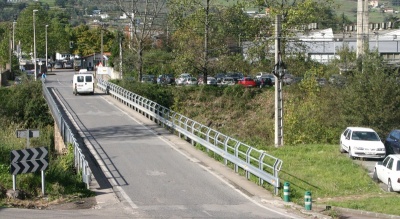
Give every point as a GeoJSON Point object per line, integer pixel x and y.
{"type": "Point", "coordinates": [247, 82]}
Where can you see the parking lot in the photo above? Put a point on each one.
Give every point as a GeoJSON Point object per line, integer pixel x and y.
{"type": "Point", "coordinates": [369, 165]}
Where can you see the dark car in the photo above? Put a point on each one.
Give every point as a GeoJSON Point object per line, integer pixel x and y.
{"type": "Point", "coordinates": [235, 75]}
{"type": "Point", "coordinates": [392, 142]}
{"type": "Point", "coordinates": [166, 79]}
{"type": "Point", "coordinates": [265, 81]}
{"type": "Point", "coordinates": [219, 77]}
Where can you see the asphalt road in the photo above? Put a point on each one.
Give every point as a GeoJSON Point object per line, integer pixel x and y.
{"type": "Point", "coordinates": [151, 173]}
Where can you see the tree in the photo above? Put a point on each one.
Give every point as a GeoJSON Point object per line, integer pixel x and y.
{"type": "Point", "coordinates": [212, 30]}
{"type": "Point", "coordinates": [87, 41]}
{"type": "Point", "coordinates": [145, 22]}
{"type": "Point", "coordinates": [57, 22]}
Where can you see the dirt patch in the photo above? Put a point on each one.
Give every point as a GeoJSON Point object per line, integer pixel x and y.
{"type": "Point", "coordinates": [59, 204]}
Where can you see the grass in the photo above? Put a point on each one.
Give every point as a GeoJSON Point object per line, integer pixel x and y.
{"type": "Point", "coordinates": [349, 8]}
{"type": "Point", "coordinates": [332, 178]}
{"type": "Point", "coordinates": [383, 203]}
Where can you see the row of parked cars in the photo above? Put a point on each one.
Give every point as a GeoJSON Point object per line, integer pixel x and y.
{"type": "Point", "coordinates": [364, 142]}
{"type": "Point", "coordinates": [262, 79]}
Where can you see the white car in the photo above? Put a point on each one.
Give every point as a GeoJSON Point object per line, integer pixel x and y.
{"type": "Point", "coordinates": [211, 81]}
{"type": "Point", "coordinates": [362, 142]}
{"type": "Point", "coordinates": [228, 81]}
{"type": "Point", "coordinates": [388, 172]}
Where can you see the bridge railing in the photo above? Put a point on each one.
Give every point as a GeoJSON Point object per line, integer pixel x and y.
{"type": "Point", "coordinates": [240, 155]}
{"type": "Point", "coordinates": [68, 136]}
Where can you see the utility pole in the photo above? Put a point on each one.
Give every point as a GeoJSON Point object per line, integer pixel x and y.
{"type": "Point", "coordinates": [101, 57]}
{"type": "Point", "coordinates": [279, 72]}
{"type": "Point", "coordinates": [120, 57]}
{"type": "Point", "coordinates": [362, 27]}
{"type": "Point", "coordinates": [206, 29]}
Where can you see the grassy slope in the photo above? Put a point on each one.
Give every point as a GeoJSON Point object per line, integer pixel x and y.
{"type": "Point", "coordinates": [349, 9]}
{"type": "Point", "coordinates": [331, 177]}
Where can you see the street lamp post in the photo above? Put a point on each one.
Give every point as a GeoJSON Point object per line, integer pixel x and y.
{"type": "Point", "coordinates": [34, 42]}
{"type": "Point", "coordinates": [13, 38]}
{"type": "Point", "coordinates": [46, 46]}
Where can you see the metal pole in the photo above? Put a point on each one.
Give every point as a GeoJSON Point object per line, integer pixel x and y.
{"type": "Point", "coordinates": [42, 183]}
{"type": "Point", "coordinates": [34, 42]}
{"type": "Point", "coordinates": [14, 177]}
{"type": "Point", "coordinates": [278, 86]}
{"type": "Point", "coordinates": [101, 58]}
{"type": "Point", "coordinates": [27, 138]}
{"type": "Point", "coordinates": [13, 38]}
{"type": "Point", "coordinates": [206, 30]}
{"type": "Point", "coordinates": [46, 46]}
{"type": "Point", "coordinates": [120, 57]}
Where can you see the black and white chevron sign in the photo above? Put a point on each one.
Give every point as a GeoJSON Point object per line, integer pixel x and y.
{"type": "Point", "coordinates": [29, 166]}
{"type": "Point", "coordinates": [29, 154]}
{"type": "Point", "coordinates": [29, 160]}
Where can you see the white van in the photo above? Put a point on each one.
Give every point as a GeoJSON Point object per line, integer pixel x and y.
{"type": "Point", "coordinates": [83, 83]}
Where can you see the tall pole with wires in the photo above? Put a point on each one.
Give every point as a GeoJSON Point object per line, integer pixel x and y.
{"type": "Point", "coordinates": [34, 42]}
{"type": "Point", "coordinates": [279, 71]}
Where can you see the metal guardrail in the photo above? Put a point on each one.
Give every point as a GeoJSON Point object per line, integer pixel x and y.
{"type": "Point", "coordinates": [252, 161]}
{"type": "Point", "coordinates": [67, 135]}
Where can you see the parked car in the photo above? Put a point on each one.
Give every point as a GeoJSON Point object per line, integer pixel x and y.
{"type": "Point", "coordinates": [17, 80]}
{"type": "Point", "coordinates": [271, 76]}
{"type": "Point", "coordinates": [190, 81]}
{"type": "Point", "coordinates": [166, 79]}
{"type": "Point", "coordinates": [182, 78]}
{"type": "Point", "coordinates": [247, 82]}
{"type": "Point", "coordinates": [321, 81]}
{"type": "Point", "coordinates": [211, 81]}
{"type": "Point", "coordinates": [219, 77]}
{"type": "Point", "coordinates": [235, 75]}
{"type": "Point", "coordinates": [388, 172]}
{"type": "Point", "coordinates": [265, 81]}
{"type": "Point", "coordinates": [228, 81]}
{"type": "Point", "coordinates": [151, 79]}
{"type": "Point", "coordinates": [392, 142]}
{"type": "Point", "coordinates": [288, 79]}
{"type": "Point", "coordinates": [259, 74]}
{"type": "Point", "coordinates": [361, 142]}
{"type": "Point", "coordinates": [68, 65]}
{"type": "Point", "coordinates": [58, 65]}
{"type": "Point", "coordinates": [337, 80]}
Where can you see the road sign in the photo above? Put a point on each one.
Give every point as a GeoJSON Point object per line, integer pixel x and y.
{"type": "Point", "coordinates": [29, 160]}
{"type": "Point", "coordinates": [23, 133]}
{"type": "Point", "coordinates": [29, 154]}
{"type": "Point", "coordinates": [29, 166]}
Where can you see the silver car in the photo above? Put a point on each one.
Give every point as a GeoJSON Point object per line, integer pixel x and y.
{"type": "Point", "coordinates": [211, 81]}
{"type": "Point", "coordinates": [228, 81]}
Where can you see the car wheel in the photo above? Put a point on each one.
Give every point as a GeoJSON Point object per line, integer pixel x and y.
{"type": "Point", "coordinates": [375, 176]}
{"type": "Point", "coordinates": [389, 186]}
{"type": "Point", "coordinates": [349, 153]}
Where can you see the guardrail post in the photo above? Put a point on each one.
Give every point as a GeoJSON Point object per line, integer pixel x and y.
{"type": "Point", "coordinates": [307, 200]}
{"type": "Point", "coordinates": [286, 192]}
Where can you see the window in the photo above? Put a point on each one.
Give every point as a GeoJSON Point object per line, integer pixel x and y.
{"type": "Point", "coordinates": [80, 79]}
{"type": "Point", "coordinates": [390, 164]}
{"type": "Point", "coordinates": [385, 161]}
{"type": "Point", "coordinates": [88, 78]}
{"type": "Point", "coordinates": [346, 132]}
{"type": "Point", "coordinates": [398, 165]}
{"type": "Point", "coordinates": [396, 134]}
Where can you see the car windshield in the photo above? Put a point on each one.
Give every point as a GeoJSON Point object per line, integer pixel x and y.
{"type": "Point", "coordinates": [365, 136]}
